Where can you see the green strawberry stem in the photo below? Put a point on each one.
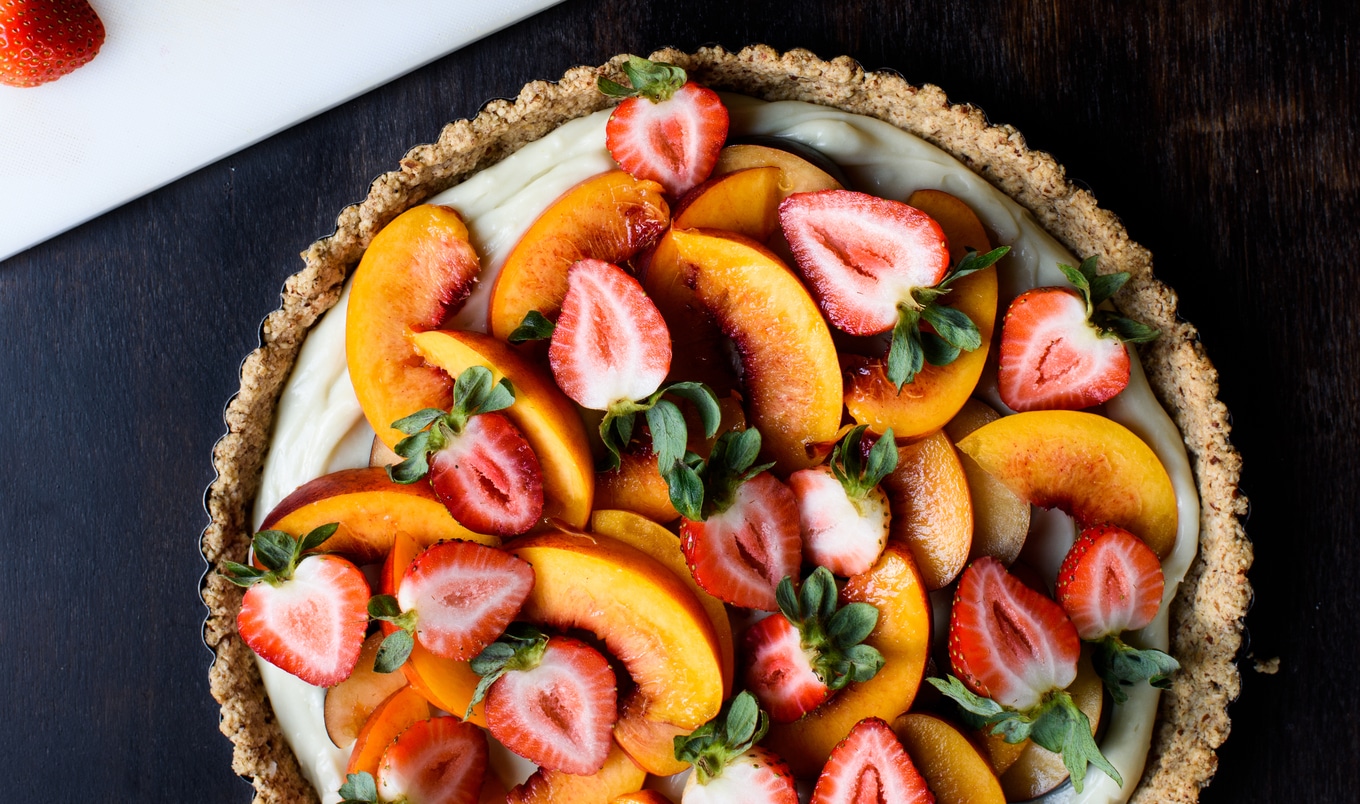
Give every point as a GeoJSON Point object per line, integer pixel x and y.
{"type": "Point", "coordinates": [521, 647]}
{"type": "Point", "coordinates": [699, 489]}
{"type": "Point", "coordinates": [653, 80]}
{"type": "Point", "coordinates": [1095, 288]}
{"type": "Point", "coordinates": [858, 475]}
{"type": "Point", "coordinates": [833, 635]}
{"type": "Point", "coordinates": [279, 552]}
{"type": "Point", "coordinates": [1055, 723]}
{"type": "Point", "coordinates": [1120, 665]}
{"type": "Point", "coordinates": [431, 429]}
{"type": "Point", "coordinates": [359, 788]}
{"type": "Point", "coordinates": [534, 327]}
{"type": "Point", "coordinates": [396, 647]}
{"type": "Point", "coordinates": [665, 421]}
{"type": "Point", "coordinates": [738, 727]}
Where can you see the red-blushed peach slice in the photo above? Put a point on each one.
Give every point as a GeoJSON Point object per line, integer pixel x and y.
{"type": "Point", "coordinates": [444, 683]}
{"type": "Point", "coordinates": [745, 202]}
{"type": "Point", "coordinates": [932, 512]}
{"type": "Point", "coordinates": [937, 392]}
{"type": "Point", "coordinates": [390, 718]}
{"type": "Point", "coordinates": [650, 744]}
{"type": "Point", "coordinates": [954, 769]}
{"type": "Point", "coordinates": [609, 217]}
{"type": "Point", "coordinates": [370, 510]}
{"type": "Point", "coordinates": [415, 272]}
{"type": "Point", "coordinates": [546, 417]}
{"type": "Point", "coordinates": [1000, 519]}
{"type": "Point", "coordinates": [620, 775]}
{"type": "Point", "coordinates": [646, 616]}
{"type": "Point", "coordinates": [1095, 469]}
{"type": "Point", "coordinates": [1037, 770]}
{"type": "Point", "coordinates": [636, 485]}
{"type": "Point", "coordinates": [349, 703]}
{"type": "Point", "coordinates": [664, 546]}
{"type": "Point", "coordinates": [903, 637]}
{"type": "Point", "coordinates": [797, 175]}
{"type": "Point", "coordinates": [642, 797]}
{"type": "Point", "coordinates": [790, 372]}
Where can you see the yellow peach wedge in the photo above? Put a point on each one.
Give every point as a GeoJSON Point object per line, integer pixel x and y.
{"type": "Point", "coordinates": [619, 776]}
{"type": "Point", "coordinates": [1094, 469]}
{"type": "Point", "coordinates": [932, 510]}
{"type": "Point", "coordinates": [954, 770]}
{"type": "Point", "coordinates": [370, 510]}
{"type": "Point", "coordinates": [416, 270]}
{"type": "Point", "coordinates": [646, 616]}
{"type": "Point", "coordinates": [349, 703]}
{"type": "Point", "coordinates": [650, 744]}
{"type": "Point", "coordinates": [796, 174]}
{"type": "Point", "coordinates": [608, 217]}
{"type": "Point", "coordinates": [790, 371]}
{"type": "Point", "coordinates": [390, 718]}
{"type": "Point", "coordinates": [937, 392]}
{"type": "Point", "coordinates": [636, 485]}
{"type": "Point", "coordinates": [1000, 519]}
{"type": "Point", "coordinates": [902, 635]}
{"type": "Point", "coordinates": [546, 417]}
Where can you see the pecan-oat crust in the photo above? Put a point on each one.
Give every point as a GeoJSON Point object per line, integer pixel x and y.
{"type": "Point", "coordinates": [1208, 610]}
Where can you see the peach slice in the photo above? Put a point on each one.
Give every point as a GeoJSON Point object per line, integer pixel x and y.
{"type": "Point", "coordinates": [390, 718]}
{"type": "Point", "coordinates": [938, 392]}
{"type": "Point", "coordinates": [650, 744]}
{"type": "Point", "coordinates": [620, 775]}
{"type": "Point", "coordinates": [932, 511]}
{"type": "Point", "coordinates": [636, 485]}
{"type": "Point", "coordinates": [370, 510]}
{"type": "Point", "coordinates": [790, 371]}
{"type": "Point", "coordinates": [647, 617]}
{"type": "Point", "coordinates": [1095, 469]}
{"type": "Point", "coordinates": [952, 766]}
{"type": "Point", "coordinates": [349, 703]}
{"type": "Point", "coordinates": [546, 417]}
{"type": "Point", "coordinates": [903, 637]}
{"type": "Point", "coordinates": [609, 217]}
{"type": "Point", "coordinates": [796, 174]}
{"type": "Point", "coordinates": [415, 272]}
{"type": "Point", "coordinates": [745, 202]}
{"type": "Point", "coordinates": [1037, 770]}
{"type": "Point", "coordinates": [444, 683]}
{"type": "Point", "coordinates": [642, 797]}
{"type": "Point", "coordinates": [1000, 519]}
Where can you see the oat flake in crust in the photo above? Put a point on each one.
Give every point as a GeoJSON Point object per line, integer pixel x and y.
{"type": "Point", "coordinates": [1206, 616]}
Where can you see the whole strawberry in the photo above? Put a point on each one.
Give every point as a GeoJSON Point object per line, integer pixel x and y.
{"type": "Point", "coordinates": [42, 40]}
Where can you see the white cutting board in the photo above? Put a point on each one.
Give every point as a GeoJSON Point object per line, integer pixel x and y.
{"type": "Point", "coordinates": [179, 85]}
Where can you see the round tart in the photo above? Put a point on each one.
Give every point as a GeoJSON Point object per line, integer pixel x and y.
{"type": "Point", "coordinates": [1206, 615]}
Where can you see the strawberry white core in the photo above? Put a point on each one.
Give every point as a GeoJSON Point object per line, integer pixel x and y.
{"type": "Point", "coordinates": [845, 536]}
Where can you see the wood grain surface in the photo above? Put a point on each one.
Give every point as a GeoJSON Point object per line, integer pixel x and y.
{"type": "Point", "coordinates": [1223, 133]}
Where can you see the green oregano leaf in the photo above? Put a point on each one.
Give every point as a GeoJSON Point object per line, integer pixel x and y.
{"type": "Point", "coordinates": [535, 327]}
{"type": "Point", "coordinates": [395, 649]}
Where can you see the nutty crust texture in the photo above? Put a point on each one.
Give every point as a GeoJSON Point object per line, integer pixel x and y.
{"type": "Point", "coordinates": [1206, 616]}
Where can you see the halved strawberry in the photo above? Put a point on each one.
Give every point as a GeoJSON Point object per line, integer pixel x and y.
{"type": "Point", "coordinates": [842, 513]}
{"type": "Point", "coordinates": [739, 533]}
{"type": "Point", "coordinates": [303, 615]}
{"type": "Point", "coordinates": [870, 766]}
{"type": "Point", "coordinates": [480, 466]}
{"type": "Point", "coordinates": [552, 700]}
{"type": "Point", "coordinates": [877, 265]}
{"type": "Point", "coordinates": [1017, 647]}
{"type": "Point", "coordinates": [437, 761]}
{"type": "Point", "coordinates": [728, 768]}
{"type": "Point", "coordinates": [1111, 582]}
{"type": "Point", "coordinates": [1059, 352]}
{"type": "Point", "coordinates": [667, 129]}
{"type": "Point", "coordinates": [455, 598]}
{"type": "Point", "coordinates": [800, 657]}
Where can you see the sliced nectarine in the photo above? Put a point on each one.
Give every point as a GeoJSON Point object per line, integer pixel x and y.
{"type": "Point", "coordinates": [636, 485]}
{"type": "Point", "coordinates": [642, 797]}
{"type": "Point", "coordinates": [796, 174]}
{"type": "Point", "coordinates": [937, 392]}
{"type": "Point", "coordinates": [1000, 519]}
{"type": "Point", "coordinates": [954, 769]}
{"type": "Point", "coordinates": [790, 371]}
{"type": "Point", "coordinates": [546, 417]}
{"type": "Point", "coordinates": [932, 513]}
{"type": "Point", "coordinates": [647, 617]}
{"type": "Point", "coordinates": [1037, 770]}
{"type": "Point", "coordinates": [664, 546]}
{"type": "Point", "coordinates": [349, 703]}
{"type": "Point", "coordinates": [609, 217]}
{"type": "Point", "coordinates": [903, 637]}
{"type": "Point", "coordinates": [650, 744]}
{"type": "Point", "coordinates": [370, 510]}
{"type": "Point", "coordinates": [416, 270]}
{"type": "Point", "coordinates": [745, 202]}
{"type": "Point", "coordinates": [619, 775]}
{"type": "Point", "coordinates": [390, 718]}
{"type": "Point", "coordinates": [1087, 465]}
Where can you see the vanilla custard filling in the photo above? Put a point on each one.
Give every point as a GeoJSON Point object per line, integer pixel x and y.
{"type": "Point", "coordinates": [319, 427]}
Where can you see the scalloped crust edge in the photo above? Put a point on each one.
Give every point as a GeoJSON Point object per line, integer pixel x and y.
{"type": "Point", "coordinates": [1208, 610]}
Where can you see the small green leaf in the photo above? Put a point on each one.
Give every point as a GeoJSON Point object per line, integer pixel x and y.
{"type": "Point", "coordinates": [818, 595]}
{"type": "Point", "coordinates": [974, 262]}
{"type": "Point", "coordinates": [742, 450]}
{"type": "Point", "coordinates": [1126, 329]}
{"type": "Point", "coordinates": [470, 389]}
{"type": "Point", "coordinates": [937, 351]}
{"type": "Point", "coordinates": [787, 600]}
{"type": "Point", "coordinates": [742, 718]}
{"type": "Point", "coordinates": [906, 358]}
{"type": "Point", "coordinates": [318, 537]}
{"type": "Point", "coordinates": [669, 433]}
{"type": "Point", "coordinates": [415, 450]}
{"type": "Point", "coordinates": [953, 689]}
{"type": "Point", "coordinates": [1105, 286]}
{"type": "Point", "coordinates": [1064, 729]}
{"type": "Point", "coordinates": [953, 326]}
{"type": "Point", "coordinates": [852, 624]}
{"type": "Point", "coordinates": [359, 788]}
{"type": "Point", "coordinates": [274, 549]}
{"type": "Point", "coordinates": [686, 490]}
{"type": "Point", "coordinates": [535, 327]}
{"type": "Point", "coordinates": [240, 574]}
{"type": "Point", "coordinates": [410, 425]}
{"type": "Point", "coordinates": [394, 651]}
{"type": "Point", "coordinates": [882, 459]}
{"type": "Point", "coordinates": [500, 397]}
{"type": "Point", "coordinates": [383, 607]}
{"type": "Point", "coordinates": [704, 401]}
{"type": "Point", "coordinates": [613, 89]}
{"type": "Point", "coordinates": [1121, 666]}
{"type": "Point", "coordinates": [865, 661]}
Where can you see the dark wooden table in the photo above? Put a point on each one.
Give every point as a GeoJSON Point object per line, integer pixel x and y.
{"type": "Point", "coordinates": [1223, 134]}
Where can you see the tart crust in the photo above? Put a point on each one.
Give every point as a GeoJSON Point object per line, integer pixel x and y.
{"type": "Point", "coordinates": [1206, 616]}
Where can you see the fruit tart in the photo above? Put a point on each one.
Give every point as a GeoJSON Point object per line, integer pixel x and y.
{"type": "Point", "coordinates": [721, 427]}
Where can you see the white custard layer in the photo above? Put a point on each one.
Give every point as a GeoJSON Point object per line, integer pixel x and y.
{"type": "Point", "coordinates": [320, 428]}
